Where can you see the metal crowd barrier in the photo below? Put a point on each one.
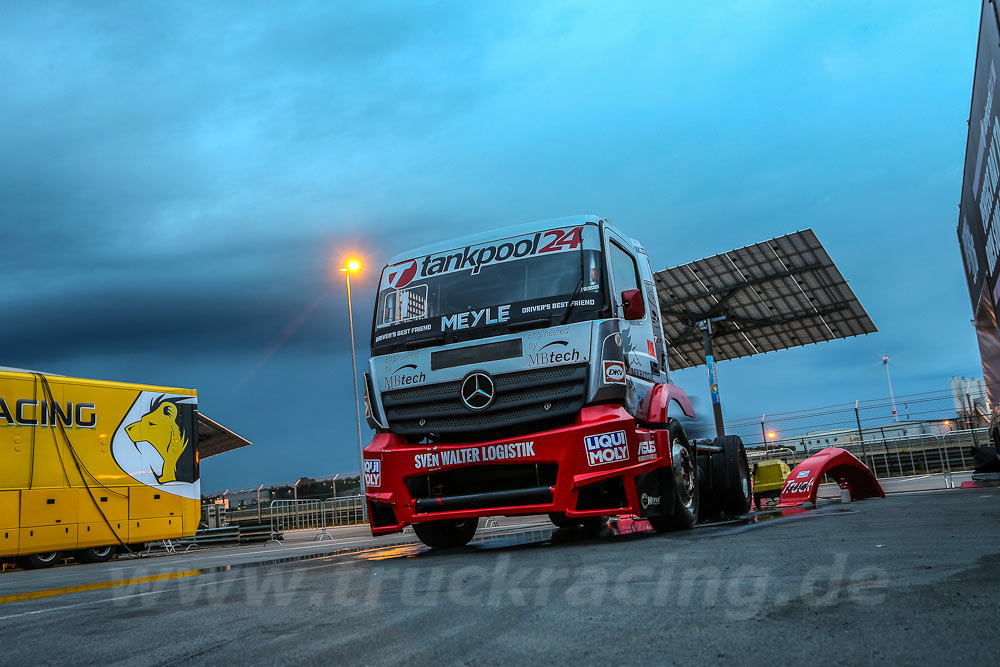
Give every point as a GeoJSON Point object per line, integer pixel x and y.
{"type": "Point", "coordinates": [318, 515]}
{"type": "Point", "coordinates": [210, 536]}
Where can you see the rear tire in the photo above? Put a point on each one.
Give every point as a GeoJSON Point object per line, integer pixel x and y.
{"type": "Point", "coordinates": [681, 483]}
{"type": "Point", "coordinates": [446, 534]}
{"type": "Point", "coordinates": [96, 554]}
{"type": "Point", "coordinates": [731, 476]}
{"type": "Point", "coordinates": [39, 561]}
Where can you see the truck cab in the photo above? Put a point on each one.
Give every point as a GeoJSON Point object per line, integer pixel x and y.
{"type": "Point", "coordinates": [521, 371]}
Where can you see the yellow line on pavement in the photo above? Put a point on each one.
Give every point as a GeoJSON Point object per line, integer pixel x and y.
{"type": "Point", "coordinates": [100, 585]}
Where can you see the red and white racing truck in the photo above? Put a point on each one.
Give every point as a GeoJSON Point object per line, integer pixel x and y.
{"type": "Point", "coordinates": [524, 372]}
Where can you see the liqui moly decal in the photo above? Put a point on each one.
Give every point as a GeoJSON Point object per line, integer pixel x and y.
{"type": "Point", "coordinates": [606, 448]}
{"type": "Point", "coordinates": [473, 258]}
{"type": "Point", "coordinates": [373, 473]}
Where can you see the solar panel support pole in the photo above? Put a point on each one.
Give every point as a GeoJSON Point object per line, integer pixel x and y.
{"type": "Point", "coordinates": [713, 384]}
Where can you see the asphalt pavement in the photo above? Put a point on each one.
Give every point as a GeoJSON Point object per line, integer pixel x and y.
{"type": "Point", "coordinates": [909, 579]}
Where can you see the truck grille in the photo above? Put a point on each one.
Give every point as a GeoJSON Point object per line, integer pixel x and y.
{"type": "Point", "coordinates": [478, 487]}
{"type": "Point", "coordinates": [521, 398]}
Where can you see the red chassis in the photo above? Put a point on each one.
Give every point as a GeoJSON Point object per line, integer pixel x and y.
{"type": "Point", "coordinates": [579, 470]}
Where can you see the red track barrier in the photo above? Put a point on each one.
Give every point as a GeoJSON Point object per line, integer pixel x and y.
{"type": "Point", "coordinates": [843, 467]}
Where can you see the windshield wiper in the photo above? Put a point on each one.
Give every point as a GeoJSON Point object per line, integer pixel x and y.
{"type": "Point", "coordinates": [569, 308]}
{"type": "Point", "coordinates": [524, 325]}
{"type": "Point", "coordinates": [423, 342]}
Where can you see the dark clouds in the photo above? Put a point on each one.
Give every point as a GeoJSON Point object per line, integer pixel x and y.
{"type": "Point", "coordinates": [180, 181]}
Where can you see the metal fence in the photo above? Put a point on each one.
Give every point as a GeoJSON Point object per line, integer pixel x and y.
{"type": "Point", "coordinates": [249, 504]}
{"type": "Point", "coordinates": [898, 457]}
{"type": "Point", "coordinates": [860, 422]}
{"type": "Point", "coordinates": [320, 515]}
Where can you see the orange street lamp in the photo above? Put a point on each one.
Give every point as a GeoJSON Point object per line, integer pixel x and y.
{"type": "Point", "coordinates": [353, 266]}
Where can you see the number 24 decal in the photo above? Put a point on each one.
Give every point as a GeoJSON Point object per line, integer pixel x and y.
{"type": "Point", "coordinates": [563, 239]}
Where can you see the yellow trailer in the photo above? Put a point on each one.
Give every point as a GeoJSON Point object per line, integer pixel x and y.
{"type": "Point", "coordinates": [89, 467]}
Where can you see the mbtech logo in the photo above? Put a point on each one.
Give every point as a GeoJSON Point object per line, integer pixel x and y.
{"type": "Point", "coordinates": [404, 376]}
{"type": "Point", "coordinates": [554, 353]}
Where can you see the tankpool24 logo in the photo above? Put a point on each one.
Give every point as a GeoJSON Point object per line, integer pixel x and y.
{"type": "Point", "coordinates": [606, 448]}
{"type": "Point", "coordinates": [475, 257]}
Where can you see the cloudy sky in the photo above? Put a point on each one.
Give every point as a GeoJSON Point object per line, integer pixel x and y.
{"type": "Point", "coordinates": [179, 181]}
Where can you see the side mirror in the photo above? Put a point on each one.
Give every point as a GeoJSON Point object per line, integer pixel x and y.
{"type": "Point", "coordinates": [632, 305]}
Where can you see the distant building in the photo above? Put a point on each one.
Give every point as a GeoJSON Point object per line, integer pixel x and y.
{"type": "Point", "coordinates": [244, 499]}
{"type": "Point", "coordinates": [969, 396]}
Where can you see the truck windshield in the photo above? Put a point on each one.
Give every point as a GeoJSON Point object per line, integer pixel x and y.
{"type": "Point", "coordinates": [483, 290]}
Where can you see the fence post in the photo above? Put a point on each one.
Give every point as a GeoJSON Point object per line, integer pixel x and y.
{"type": "Point", "coordinates": [259, 519]}
{"type": "Point", "coordinates": [861, 434]}
{"type": "Point", "coordinates": [972, 425]}
{"type": "Point", "coordinates": [763, 434]}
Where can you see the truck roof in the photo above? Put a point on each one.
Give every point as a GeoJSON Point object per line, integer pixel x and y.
{"type": "Point", "coordinates": [496, 235]}
{"type": "Point", "coordinates": [8, 371]}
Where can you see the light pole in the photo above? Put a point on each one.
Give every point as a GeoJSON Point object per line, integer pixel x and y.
{"type": "Point", "coordinates": [353, 266]}
{"type": "Point", "coordinates": [892, 399]}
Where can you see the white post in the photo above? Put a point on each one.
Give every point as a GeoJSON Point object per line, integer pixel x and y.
{"type": "Point", "coordinates": [258, 502]}
{"type": "Point", "coordinates": [357, 404]}
{"type": "Point", "coordinates": [892, 399]}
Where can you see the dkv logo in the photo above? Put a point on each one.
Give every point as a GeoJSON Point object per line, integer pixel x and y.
{"type": "Point", "coordinates": [606, 448]}
{"type": "Point", "coordinates": [614, 372]}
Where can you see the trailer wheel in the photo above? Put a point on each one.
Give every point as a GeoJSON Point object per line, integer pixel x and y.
{"type": "Point", "coordinates": [96, 554]}
{"type": "Point", "coordinates": [39, 561]}
{"type": "Point", "coordinates": [731, 474]}
{"type": "Point", "coordinates": [681, 483]}
{"type": "Point", "coordinates": [446, 534]}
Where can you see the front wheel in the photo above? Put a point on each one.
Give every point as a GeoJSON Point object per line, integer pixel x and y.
{"type": "Point", "coordinates": [96, 554]}
{"type": "Point", "coordinates": [39, 561]}
{"type": "Point", "coordinates": [446, 534]}
{"type": "Point", "coordinates": [681, 483]}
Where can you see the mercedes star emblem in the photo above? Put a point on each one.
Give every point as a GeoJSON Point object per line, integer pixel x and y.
{"type": "Point", "coordinates": [477, 390]}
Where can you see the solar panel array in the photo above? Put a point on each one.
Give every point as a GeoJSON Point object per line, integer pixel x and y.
{"type": "Point", "coordinates": [769, 296]}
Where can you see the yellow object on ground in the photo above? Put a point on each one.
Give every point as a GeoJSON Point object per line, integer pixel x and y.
{"type": "Point", "coordinates": [770, 476]}
{"type": "Point", "coordinates": [87, 464]}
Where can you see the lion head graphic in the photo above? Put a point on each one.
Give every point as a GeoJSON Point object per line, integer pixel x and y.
{"type": "Point", "coordinates": [165, 428]}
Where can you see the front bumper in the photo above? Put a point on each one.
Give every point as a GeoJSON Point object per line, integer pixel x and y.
{"type": "Point", "coordinates": [580, 470]}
